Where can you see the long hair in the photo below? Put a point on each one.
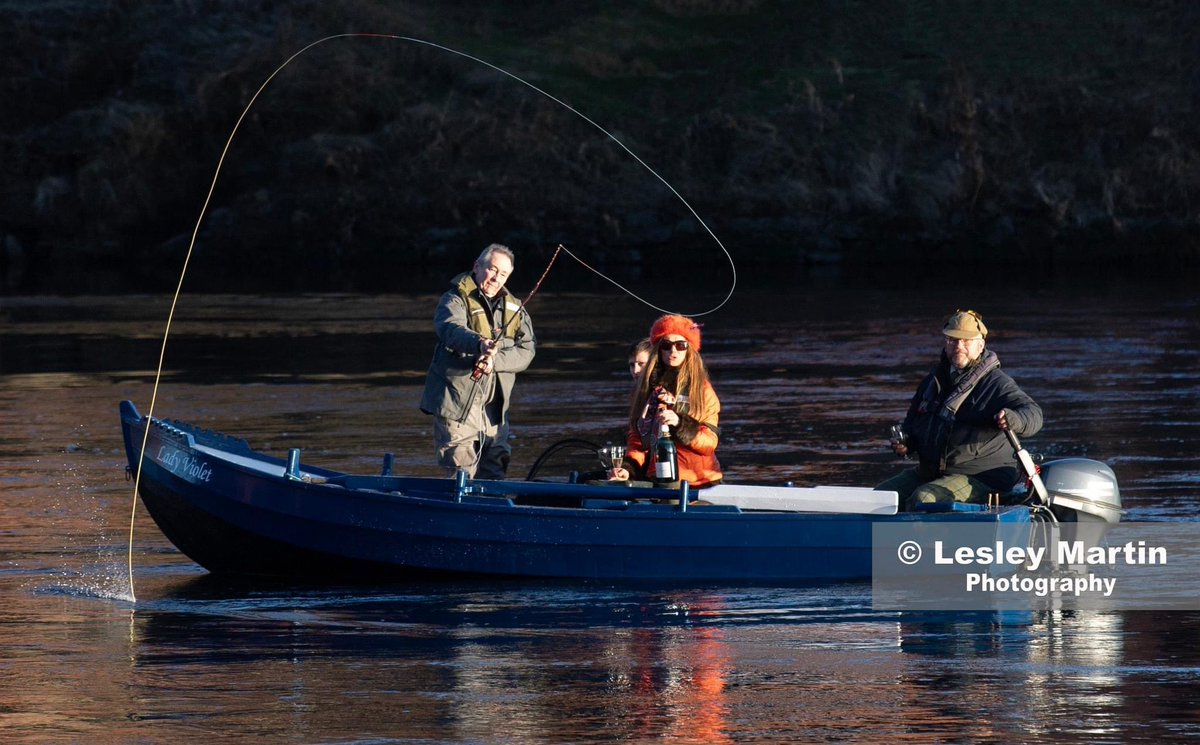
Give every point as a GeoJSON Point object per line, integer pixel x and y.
{"type": "Point", "coordinates": [691, 380]}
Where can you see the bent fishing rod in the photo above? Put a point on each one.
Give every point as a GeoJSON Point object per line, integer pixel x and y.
{"type": "Point", "coordinates": [498, 333]}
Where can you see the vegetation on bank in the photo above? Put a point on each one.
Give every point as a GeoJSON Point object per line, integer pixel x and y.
{"type": "Point", "coordinates": [852, 133]}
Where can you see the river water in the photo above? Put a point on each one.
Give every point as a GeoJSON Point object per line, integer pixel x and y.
{"type": "Point", "coordinates": [809, 380]}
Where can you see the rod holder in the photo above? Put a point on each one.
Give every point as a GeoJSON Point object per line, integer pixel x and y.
{"type": "Point", "coordinates": [388, 461]}
{"type": "Point", "coordinates": [293, 465]}
{"type": "Point", "coordinates": [460, 484]}
{"type": "Point", "coordinates": [685, 493]}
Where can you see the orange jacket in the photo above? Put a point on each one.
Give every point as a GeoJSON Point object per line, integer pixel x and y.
{"type": "Point", "coordinates": [695, 442]}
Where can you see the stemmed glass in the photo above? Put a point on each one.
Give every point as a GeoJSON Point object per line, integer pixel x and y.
{"type": "Point", "coordinates": [897, 435]}
{"type": "Point", "coordinates": [611, 456]}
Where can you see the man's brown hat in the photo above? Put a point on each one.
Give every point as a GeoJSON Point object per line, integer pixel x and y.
{"type": "Point", "coordinates": [965, 324]}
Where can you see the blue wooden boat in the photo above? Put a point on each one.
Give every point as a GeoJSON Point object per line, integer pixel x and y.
{"type": "Point", "coordinates": [234, 510]}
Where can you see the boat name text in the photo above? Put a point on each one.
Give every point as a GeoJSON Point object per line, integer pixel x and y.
{"type": "Point", "coordinates": [184, 465]}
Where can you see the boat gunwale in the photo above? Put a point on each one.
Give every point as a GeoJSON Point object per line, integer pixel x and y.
{"type": "Point", "coordinates": [647, 503]}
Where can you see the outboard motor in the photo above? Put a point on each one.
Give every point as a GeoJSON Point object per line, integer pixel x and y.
{"type": "Point", "coordinates": [1082, 490]}
{"type": "Point", "coordinates": [1084, 498]}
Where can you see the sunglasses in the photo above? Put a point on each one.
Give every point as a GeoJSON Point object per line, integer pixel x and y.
{"type": "Point", "coordinates": [680, 346]}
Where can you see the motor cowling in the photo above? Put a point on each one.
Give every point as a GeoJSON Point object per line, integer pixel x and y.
{"type": "Point", "coordinates": [1084, 499]}
{"type": "Point", "coordinates": [1082, 490]}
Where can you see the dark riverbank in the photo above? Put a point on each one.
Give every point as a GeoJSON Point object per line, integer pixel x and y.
{"type": "Point", "coordinates": [844, 136]}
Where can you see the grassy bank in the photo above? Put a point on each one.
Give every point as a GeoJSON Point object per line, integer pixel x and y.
{"type": "Point", "coordinates": [813, 134]}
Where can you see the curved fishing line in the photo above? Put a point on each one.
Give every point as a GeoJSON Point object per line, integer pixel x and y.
{"type": "Point", "coordinates": [609, 135]}
{"type": "Point", "coordinates": [217, 173]}
{"type": "Point", "coordinates": [137, 480]}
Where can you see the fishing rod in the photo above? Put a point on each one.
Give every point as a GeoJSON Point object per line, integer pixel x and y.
{"type": "Point", "coordinates": [481, 362]}
{"type": "Point", "coordinates": [1032, 474]}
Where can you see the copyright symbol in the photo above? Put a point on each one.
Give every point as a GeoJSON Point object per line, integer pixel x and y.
{"type": "Point", "coordinates": [909, 552]}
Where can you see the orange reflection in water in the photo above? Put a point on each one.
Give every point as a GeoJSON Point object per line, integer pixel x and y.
{"type": "Point", "coordinates": [675, 685]}
{"type": "Point", "coordinates": [704, 715]}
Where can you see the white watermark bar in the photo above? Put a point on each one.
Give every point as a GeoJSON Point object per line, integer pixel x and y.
{"type": "Point", "coordinates": [924, 565]}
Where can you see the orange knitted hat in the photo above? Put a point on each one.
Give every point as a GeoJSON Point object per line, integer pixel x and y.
{"type": "Point", "coordinates": [685, 327]}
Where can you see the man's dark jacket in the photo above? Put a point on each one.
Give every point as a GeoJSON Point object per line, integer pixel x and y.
{"type": "Point", "coordinates": [967, 441]}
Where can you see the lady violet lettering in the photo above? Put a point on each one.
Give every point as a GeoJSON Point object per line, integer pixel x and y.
{"type": "Point", "coordinates": [184, 465]}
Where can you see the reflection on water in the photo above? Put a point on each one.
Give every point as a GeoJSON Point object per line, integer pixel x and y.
{"type": "Point", "coordinates": [572, 664]}
{"type": "Point", "coordinates": [806, 397]}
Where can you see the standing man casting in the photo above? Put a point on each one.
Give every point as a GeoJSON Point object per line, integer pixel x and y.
{"type": "Point", "coordinates": [956, 420]}
{"type": "Point", "coordinates": [478, 325]}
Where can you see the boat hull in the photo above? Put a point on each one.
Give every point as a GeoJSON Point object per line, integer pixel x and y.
{"type": "Point", "coordinates": [236, 511]}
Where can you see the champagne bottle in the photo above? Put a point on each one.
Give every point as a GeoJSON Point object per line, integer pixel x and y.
{"type": "Point", "coordinates": [666, 464]}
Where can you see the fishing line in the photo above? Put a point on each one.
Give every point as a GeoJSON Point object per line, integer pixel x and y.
{"type": "Point", "coordinates": [221, 162]}
{"type": "Point", "coordinates": [609, 135]}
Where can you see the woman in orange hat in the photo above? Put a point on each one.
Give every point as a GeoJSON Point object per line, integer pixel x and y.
{"type": "Point", "coordinates": [674, 390]}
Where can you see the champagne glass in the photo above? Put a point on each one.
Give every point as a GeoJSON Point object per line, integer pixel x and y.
{"type": "Point", "coordinates": [611, 456]}
{"type": "Point", "coordinates": [898, 435]}
{"type": "Point", "coordinates": [616, 454]}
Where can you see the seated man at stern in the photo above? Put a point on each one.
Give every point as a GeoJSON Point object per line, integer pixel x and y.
{"type": "Point", "coordinates": [956, 423]}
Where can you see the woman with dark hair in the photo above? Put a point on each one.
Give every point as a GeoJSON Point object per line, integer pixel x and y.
{"type": "Point", "coordinates": [674, 390]}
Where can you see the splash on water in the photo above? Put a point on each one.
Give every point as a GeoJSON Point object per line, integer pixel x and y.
{"type": "Point", "coordinates": [102, 581]}
{"type": "Point", "coordinates": [100, 572]}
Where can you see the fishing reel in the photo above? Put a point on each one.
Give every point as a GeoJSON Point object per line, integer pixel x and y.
{"type": "Point", "coordinates": [481, 363]}
{"type": "Point", "coordinates": [480, 368]}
